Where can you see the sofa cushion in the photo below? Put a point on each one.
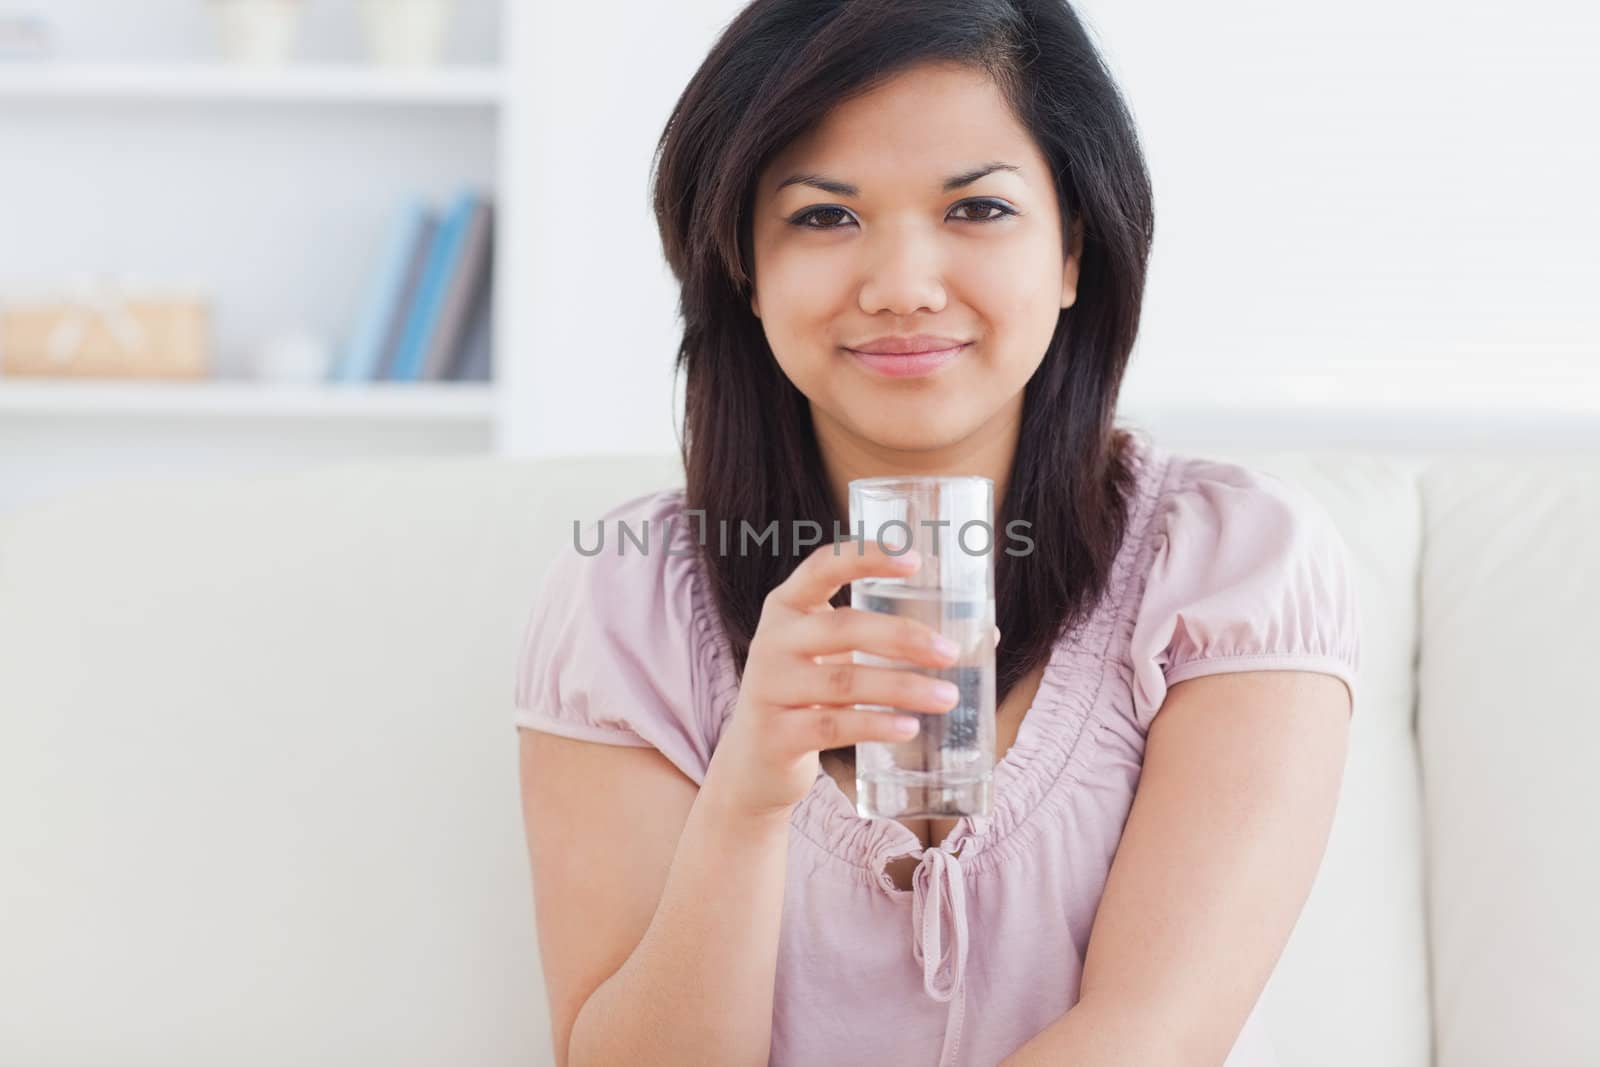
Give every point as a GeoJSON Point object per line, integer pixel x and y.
{"type": "Point", "coordinates": [258, 776]}
{"type": "Point", "coordinates": [1509, 731]}
{"type": "Point", "coordinates": [258, 779]}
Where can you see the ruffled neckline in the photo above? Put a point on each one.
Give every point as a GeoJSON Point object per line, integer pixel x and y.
{"type": "Point", "coordinates": [1028, 770]}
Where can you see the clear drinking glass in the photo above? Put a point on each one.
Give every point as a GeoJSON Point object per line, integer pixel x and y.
{"type": "Point", "coordinates": [947, 769]}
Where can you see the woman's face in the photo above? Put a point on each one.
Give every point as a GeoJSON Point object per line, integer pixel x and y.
{"type": "Point", "coordinates": [916, 245]}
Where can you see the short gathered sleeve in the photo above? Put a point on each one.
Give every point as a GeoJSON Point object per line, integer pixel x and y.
{"type": "Point", "coordinates": [619, 646]}
{"type": "Point", "coordinates": [1249, 573]}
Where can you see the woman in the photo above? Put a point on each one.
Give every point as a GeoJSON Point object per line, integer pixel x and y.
{"type": "Point", "coordinates": [1176, 658]}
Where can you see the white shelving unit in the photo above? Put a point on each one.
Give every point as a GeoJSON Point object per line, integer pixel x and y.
{"type": "Point", "coordinates": [420, 402]}
{"type": "Point", "coordinates": [135, 153]}
{"type": "Point", "coordinates": [203, 82]}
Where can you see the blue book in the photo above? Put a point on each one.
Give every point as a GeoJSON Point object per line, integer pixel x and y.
{"type": "Point", "coordinates": [397, 322]}
{"type": "Point", "coordinates": [383, 299]}
{"type": "Point", "coordinates": [429, 304]}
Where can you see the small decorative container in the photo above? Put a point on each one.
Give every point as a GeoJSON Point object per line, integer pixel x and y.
{"type": "Point", "coordinates": [106, 331]}
{"type": "Point", "coordinates": [257, 33]}
{"type": "Point", "coordinates": [406, 33]}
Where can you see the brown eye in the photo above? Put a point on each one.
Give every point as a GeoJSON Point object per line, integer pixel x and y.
{"type": "Point", "coordinates": [983, 205]}
{"type": "Point", "coordinates": [803, 220]}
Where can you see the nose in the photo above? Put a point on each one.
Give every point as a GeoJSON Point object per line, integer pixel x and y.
{"type": "Point", "coordinates": [903, 277]}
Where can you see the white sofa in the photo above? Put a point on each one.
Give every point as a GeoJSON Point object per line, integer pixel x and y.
{"type": "Point", "coordinates": [258, 789]}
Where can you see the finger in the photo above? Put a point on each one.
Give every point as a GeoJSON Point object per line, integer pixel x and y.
{"type": "Point", "coordinates": [821, 574]}
{"type": "Point", "coordinates": [836, 657]}
{"type": "Point", "coordinates": [803, 730]}
{"type": "Point", "coordinates": [847, 684]}
{"type": "Point", "coordinates": [845, 630]}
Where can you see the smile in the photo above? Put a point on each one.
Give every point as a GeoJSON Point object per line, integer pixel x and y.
{"type": "Point", "coordinates": [909, 364]}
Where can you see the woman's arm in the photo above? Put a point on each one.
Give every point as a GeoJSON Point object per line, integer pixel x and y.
{"type": "Point", "coordinates": [657, 910]}
{"type": "Point", "coordinates": [1235, 800]}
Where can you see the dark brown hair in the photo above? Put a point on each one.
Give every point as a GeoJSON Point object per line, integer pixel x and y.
{"type": "Point", "coordinates": [748, 445]}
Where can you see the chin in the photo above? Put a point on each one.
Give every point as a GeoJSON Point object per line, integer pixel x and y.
{"type": "Point", "coordinates": [911, 431]}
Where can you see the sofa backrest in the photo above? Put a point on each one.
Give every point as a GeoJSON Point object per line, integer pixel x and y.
{"type": "Point", "coordinates": [258, 780]}
{"type": "Point", "coordinates": [1509, 736]}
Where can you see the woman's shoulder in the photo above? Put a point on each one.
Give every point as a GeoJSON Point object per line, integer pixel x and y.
{"type": "Point", "coordinates": [635, 539]}
{"type": "Point", "coordinates": [1186, 491]}
{"type": "Point", "coordinates": [654, 507]}
{"type": "Point", "coordinates": [1244, 569]}
{"type": "Point", "coordinates": [630, 571]}
{"type": "Point", "coordinates": [618, 645]}
{"type": "Point", "coordinates": [1205, 496]}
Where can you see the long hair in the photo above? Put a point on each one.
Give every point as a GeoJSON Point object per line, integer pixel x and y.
{"type": "Point", "coordinates": [748, 445]}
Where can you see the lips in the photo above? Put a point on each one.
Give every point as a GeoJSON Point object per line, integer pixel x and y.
{"type": "Point", "coordinates": [913, 344]}
{"type": "Point", "coordinates": [912, 364]}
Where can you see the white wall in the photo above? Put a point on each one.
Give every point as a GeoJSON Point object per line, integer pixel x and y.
{"type": "Point", "coordinates": [591, 306]}
{"type": "Point", "coordinates": [1376, 204]}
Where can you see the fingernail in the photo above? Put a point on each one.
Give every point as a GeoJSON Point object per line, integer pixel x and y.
{"type": "Point", "coordinates": [910, 557]}
{"type": "Point", "coordinates": [944, 646]}
{"type": "Point", "coordinates": [906, 727]}
{"type": "Point", "coordinates": [946, 690]}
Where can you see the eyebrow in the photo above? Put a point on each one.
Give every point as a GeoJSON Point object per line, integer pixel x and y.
{"type": "Point", "coordinates": [838, 188]}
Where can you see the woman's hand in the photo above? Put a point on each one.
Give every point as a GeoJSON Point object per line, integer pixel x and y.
{"type": "Point", "coordinates": [799, 681]}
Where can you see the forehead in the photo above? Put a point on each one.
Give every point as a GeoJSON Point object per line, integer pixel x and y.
{"type": "Point", "coordinates": [925, 119]}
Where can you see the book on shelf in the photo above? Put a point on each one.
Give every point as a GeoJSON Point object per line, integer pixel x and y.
{"type": "Point", "coordinates": [425, 315]}
{"type": "Point", "coordinates": [475, 364]}
{"type": "Point", "coordinates": [421, 242]}
{"type": "Point", "coordinates": [386, 294]}
{"type": "Point", "coordinates": [463, 279]}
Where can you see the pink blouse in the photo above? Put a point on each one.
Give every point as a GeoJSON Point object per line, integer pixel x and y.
{"type": "Point", "coordinates": [1223, 569]}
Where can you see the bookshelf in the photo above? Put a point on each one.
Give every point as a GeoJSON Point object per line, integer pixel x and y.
{"type": "Point", "coordinates": [214, 83]}
{"type": "Point", "coordinates": [418, 402]}
{"type": "Point", "coordinates": [136, 153]}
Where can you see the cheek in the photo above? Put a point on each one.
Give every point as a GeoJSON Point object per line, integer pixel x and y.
{"type": "Point", "coordinates": [795, 287]}
{"type": "Point", "coordinates": [1018, 290]}
{"type": "Point", "coordinates": [797, 310]}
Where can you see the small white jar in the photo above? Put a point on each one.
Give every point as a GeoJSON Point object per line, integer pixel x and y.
{"type": "Point", "coordinates": [406, 33]}
{"type": "Point", "coordinates": [257, 33]}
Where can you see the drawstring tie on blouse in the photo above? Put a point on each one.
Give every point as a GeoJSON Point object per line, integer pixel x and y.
{"type": "Point", "coordinates": [939, 892]}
